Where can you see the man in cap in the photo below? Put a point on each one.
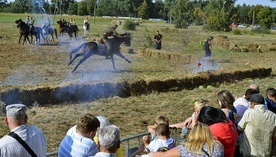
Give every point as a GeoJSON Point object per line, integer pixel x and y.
{"type": "Point", "coordinates": [16, 119]}
{"type": "Point", "coordinates": [207, 45]}
{"type": "Point", "coordinates": [259, 127]}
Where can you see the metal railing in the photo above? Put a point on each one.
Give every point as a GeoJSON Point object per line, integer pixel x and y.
{"type": "Point", "coordinates": [126, 141]}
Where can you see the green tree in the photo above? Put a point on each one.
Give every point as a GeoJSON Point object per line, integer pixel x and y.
{"type": "Point", "coordinates": [264, 17]}
{"type": "Point", "coordinates": [82, 8]}
{"type": "Point", "coordinates": [73, 8]}
{"type": "Point", "coordinates": [254, 10]}
{"type": "Point", "coordinates": [218, 15]}
{"type": "Point", "coordinates": [142, 10]}
{"type": "Point", "coordinates": [180, 13]}
{"type": "Point", "coordinates": [198, 16]}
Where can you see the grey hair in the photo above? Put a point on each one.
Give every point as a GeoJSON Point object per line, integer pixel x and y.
{"type": "Point", "coordinates": [109, 137]}
{"type": "Point", "coordinates": [103, 121]}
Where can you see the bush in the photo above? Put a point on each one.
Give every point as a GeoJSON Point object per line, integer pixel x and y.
{"type": "Point", "coordinates": [236, 32]}
{"type": "Point", "coordinates": [129, 25]}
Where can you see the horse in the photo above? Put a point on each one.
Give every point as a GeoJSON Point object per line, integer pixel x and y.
{"type": "Point", "coordinates": [48, 31]}
{"type": "Point", "coordinates": [86, 27]}
{"type": "Point", "coordinates": [94, 47]}
{"type": "Point", "coordinates": [25, 31]}
{"type": "Point", "coordinates": [67, 29]}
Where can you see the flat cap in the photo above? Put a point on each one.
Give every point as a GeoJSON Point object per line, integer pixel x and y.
{"type": "Point", "coordinates": [16, 110]}
{"type": "Point", "coordinates": [257, 98]}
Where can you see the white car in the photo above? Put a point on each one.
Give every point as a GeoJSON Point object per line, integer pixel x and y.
{"type": "Point", "coordinates": [241, 26]}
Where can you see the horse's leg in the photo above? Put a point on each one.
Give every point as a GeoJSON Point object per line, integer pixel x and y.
{"type": "Point", "coordinates": [20, 38]}
{"type": "Point", "coordinates": [112, 60]}
{"type": "Point", "coordinates": [122, 56]}
{"type": "Point", "coordinates": [82, 60]}
{"type": "Point", "coordinates": [76, 56]}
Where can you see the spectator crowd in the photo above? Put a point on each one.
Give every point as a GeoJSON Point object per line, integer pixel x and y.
{"type": "Point", "coordinates": [243, 126]}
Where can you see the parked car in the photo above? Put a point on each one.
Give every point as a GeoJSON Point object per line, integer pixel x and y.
{"type": "Point", "coordinates": [255, 27]}
{"type": "Point", "coordinates": [241, 26]}
{"type": "Point", "coordinates": [273, 27]}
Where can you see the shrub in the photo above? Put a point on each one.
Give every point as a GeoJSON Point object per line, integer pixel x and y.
{"type": "Point", "coordinates": [236, 32]}
{"type": "Point", "coordinates": [129, 25]}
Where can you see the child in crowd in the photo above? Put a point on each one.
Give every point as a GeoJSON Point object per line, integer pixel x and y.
{"type": "Point", "coordinates": [162, 140]}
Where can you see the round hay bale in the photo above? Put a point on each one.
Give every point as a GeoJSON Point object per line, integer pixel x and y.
{"type": "Point", "coordinates": [253, 47]}
{"type": "Point", "coordinates": [272, 47]}
{"type": "Point", "coordinates": [244, 49]}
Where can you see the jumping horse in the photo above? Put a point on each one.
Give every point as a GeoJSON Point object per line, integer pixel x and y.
{"type": "Point", "coordinates": [95, 48]}
{"type": "Point", "coordinates": [24, 30]}
{"type": "Point", "coordinates": [70, 29]}
{"type": "Point", "coordinates": [48, 31]}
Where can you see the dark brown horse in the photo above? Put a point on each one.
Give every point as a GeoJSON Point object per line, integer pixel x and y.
{"type": "Point", "coordinates": [92, 48]}
{"type": "Point", "coordinates": [24, 30]}
{"type": "Point", "coordinates": [65, 28]}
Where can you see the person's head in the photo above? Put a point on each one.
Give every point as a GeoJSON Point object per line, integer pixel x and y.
{"type": "Point", "coordinates": [161, 120]}
{"type": "Point", "coordinates": [256, 99]}
{"type": "Point", "coordinates": [87, 125]}
{"type": "Point", "coordinates": [200, 135]}
{"type": "Point", "coordinates": [103, 121]}
{"type": "Point", "coordinates": [226, 99]}
{"type": "Point", "coordinates": [254, 86]}
{"type": "Point", "coordinates": [271, 93]}
{"type": "Point", "coordinates": [109, 138]}
{"type": "Point", "coordinates": [249, 92]}
{"type": "Point", "coordinates": [199, 104]}
{"type": "Point", "coordinates": [157, 32]}
{"type": "Point", "coordinates": [16, 115]}
{"type": "Point", "coordinates": [163, 130]}
{"type": "Point", "coordinates": [210, 115]}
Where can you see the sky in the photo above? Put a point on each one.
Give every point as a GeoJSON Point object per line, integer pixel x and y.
{"type": "Point", "coordinates": [255, 2]}
{"type": "Point", "coordinates": [247, 2]}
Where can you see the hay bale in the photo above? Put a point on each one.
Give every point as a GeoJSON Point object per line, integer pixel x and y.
{"type": "Point", "coordinates": [244, 49]}
{"type": "Point", "coordinates": [235, 49]}
{"type": "Point", "coordinates": [272, 47]}
{"type": "Point", "coordinates": [253, 47]}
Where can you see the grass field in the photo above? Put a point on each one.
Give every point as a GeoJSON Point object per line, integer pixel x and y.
{"type": "Point", "coordinates": [31, 66]}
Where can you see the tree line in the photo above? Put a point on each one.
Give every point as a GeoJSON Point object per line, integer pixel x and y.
{"type": "Point", "coordinates": [213, 14]}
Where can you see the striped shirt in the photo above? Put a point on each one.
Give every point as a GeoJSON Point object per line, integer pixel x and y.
{"type": "Point", "coordinates": [75, 145]}
{"type": "Point", "coordinates": [34, 138]}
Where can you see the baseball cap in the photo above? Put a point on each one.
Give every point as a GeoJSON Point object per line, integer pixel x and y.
{"type": "Point", "coordinates": [16, 110]}
{"type": "Point", "coordinates": [257, 98]}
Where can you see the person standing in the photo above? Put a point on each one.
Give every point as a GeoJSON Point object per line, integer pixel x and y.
{"type": "Point", "coordinates": [259, 128]}
{"type": "Point", "coordinates": [158, 40]}
{"type": "Point", "coordinates": [16, 119]}
{"type": "Point", "coordinates": [207, 45]}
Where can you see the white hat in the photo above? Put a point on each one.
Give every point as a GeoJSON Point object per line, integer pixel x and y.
{"type": "Point", "coordinates": [16, 110]}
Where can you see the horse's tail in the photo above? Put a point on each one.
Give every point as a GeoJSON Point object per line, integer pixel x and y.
{"type": "Point", "coordinates": [76, 50]}
{"type": "Point", "coordinates": [56, 32]}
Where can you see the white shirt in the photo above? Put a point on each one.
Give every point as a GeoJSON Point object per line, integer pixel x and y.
{"type": "Point", "coordinates": [35, 139]}
{"type": "Point", "coordinates": [158, 143]}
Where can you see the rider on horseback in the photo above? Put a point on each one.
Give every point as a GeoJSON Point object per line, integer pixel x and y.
{"type": "Point", "coordinates": [85, 22]}
{"type": "Point", "coordinates": [111, 31]}
{"type": "Point", "coordinates": [63, 22]}
{"type": "Point", "coordinates": [31, 24]}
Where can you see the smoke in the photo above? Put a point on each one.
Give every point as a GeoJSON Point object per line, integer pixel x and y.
{"type": "Point", "coordinates": [205, 64]}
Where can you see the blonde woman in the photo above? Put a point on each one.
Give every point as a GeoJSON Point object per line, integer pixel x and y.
{"type": "Point", "coordinates": [200, 143]}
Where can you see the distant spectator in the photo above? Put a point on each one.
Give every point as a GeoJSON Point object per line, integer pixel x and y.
{"type": "Point", "coordinates": [78, 141]}
{"type": "Point", "coordinates": [221, 127]}
{"type": "Point", "coordinates": [109, 141]}
{"type": "Point", "coordinates": [197, 106]}
{"type": "Point", "coordinates": [158, 40]}
{"type": "Point", "coordinates": [271, 99]}
{"type": "Point", "coordinates": [200, 143]}
{"type": "Point", "coordinates": [16, 119]}
{"type": "Point", "coordinates": [254, 86]}
{"type": "Point", "coordinates": [259, 128]}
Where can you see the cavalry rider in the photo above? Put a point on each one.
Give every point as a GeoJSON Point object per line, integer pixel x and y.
{"type": "Point", "coordinates": [27, 19]}
{"type": "Point", "coordinates": [72, 22]}
{"type": "Point", "coordinates": [47, 23]}
{"type": "Point", "coordinates": [85, 22]}
{"type": "Point", "coordinates": [111, 31]}
{"type": "Point", "coordinates": [63, 22]}
{"type": "Point", "coordinates": [31, 24]}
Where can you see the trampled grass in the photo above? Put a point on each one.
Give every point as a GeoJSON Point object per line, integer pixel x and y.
{"type": "Point", "coordinates": [31, 66]}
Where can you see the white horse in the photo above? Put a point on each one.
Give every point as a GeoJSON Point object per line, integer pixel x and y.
{"type": "Point", "coordinates": [86, 27]}
{"type": "Point", "coordinates": [48, 31]}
